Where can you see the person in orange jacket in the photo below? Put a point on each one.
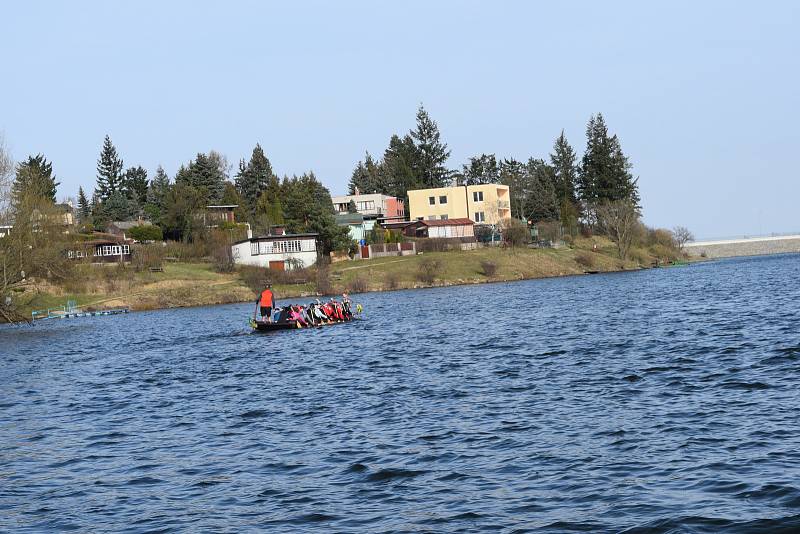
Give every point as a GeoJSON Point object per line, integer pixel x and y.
{"type": "Point", "coordinates": [267, 302]}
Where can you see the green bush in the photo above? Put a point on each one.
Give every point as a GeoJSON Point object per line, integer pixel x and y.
{"type": "Point", "coordinates": [146, 233]}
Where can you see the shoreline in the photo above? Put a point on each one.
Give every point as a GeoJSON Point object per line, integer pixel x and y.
{"type": "Point", "coordinates": [187, 285]}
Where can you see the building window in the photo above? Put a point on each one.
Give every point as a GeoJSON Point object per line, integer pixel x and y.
{"type": "Point", "coordinates": [477, 196]}
{"type": "Point", "coordinates": [443, 217]}
{"type": "Point", "coordinates": [431, 217]}
{"type": "Point", "coordinates": [432, 200]}
{"type": "Point", "coordinates": [443, 199]}
{"type": "Point", "coordinates": [480, 216]}
{"type": "Point", "coordinates": [126, 249]}
{"type": "Point", "coordinates": [254, 248]}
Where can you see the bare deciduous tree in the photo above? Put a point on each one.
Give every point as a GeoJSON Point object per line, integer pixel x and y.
{"type": "Point", "coordinates": [6, 178]}
{"type": "Point", "coordinates": [682, 236]}
{"type": "Point", "coordinates": [619, 220]}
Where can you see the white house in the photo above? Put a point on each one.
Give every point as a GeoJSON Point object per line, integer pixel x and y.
{"type": "Point", "coordinates": [279, 252]}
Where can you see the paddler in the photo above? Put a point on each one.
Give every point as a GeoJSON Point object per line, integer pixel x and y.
{"type": "Point", "coordinates": [267, 302]}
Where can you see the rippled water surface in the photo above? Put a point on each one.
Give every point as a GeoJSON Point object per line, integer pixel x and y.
{"type": "Point", "coordinates": [663, 401]}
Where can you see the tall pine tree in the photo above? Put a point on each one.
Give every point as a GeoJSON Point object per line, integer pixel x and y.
{"type": "Point", "coordinates": [541, 203]}
{"type": "Point", "coordinates": [84, 209]}
{"type": "Point", "coordinates": [205, 175]}
{"type": "Point", "coordinates": [481, 170]}
{"type": "Point", "coordinates": [605, 170]}
{"type": "Point", "coordinates": [109, 170]}
{"type": "Point", "coordinates": [34, 179]}
{"type": "Point", "coordinates": [368, 177]}
{"type": "Point", "coordinates": [563, 161]}
{"type": "Point", "coordinates": [566, 174]}
{"type": "Point", "coordinates": [253, 178]}
{"type": "Point", "coordinates": [399, 166]}
{"type": "Point", "coordinates": [432, 153]}
{"type": "Point", "coordinates": [134, 185]}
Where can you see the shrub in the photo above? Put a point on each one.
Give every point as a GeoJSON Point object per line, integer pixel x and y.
{"type": "Point", "coordinates": [639, 256]}
{"type": "Point", "coordinates": [254, 278]}
{"type": "Point", "coordinates": [515, 233]}
{"type": "Point", "coordinates": [358, 285]}
{"type": "Point", "coordinates": [585, 259]}
{"type": "Point", "coordinates": [223, 259]}
{"type": "Point", "coordinates": [146, 233]}
{"type": "Point", "coordinates": [489, 268]}
{"type": "Point", "coordinates": [392, 280]}
{"type": "Point", "coordinates": [428, 270]}
{"type": "Point", "coordinates": [660, 236]}
{"type": "Point", "coordinates": [549, 230]}
{"type": "Point", "coordinates": [144, 257]}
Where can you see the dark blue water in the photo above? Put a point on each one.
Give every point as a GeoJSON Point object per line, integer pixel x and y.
{"type": "Point", "coordinates": [658, 401]}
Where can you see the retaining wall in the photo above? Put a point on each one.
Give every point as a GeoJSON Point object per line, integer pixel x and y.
{"type": "Point", "coordinates": [744, 247]}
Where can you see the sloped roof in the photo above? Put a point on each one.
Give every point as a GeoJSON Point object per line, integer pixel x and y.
{"type": "Point", "coordinates": [448, 222]}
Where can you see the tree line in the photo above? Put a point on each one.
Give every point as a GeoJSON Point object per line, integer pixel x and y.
{"type": "Point", "coordinates": [555, 188]}
{"type": "Point", "coordinates": [301, 203]}
{"type": "Point", "coordinates": [559, 188]}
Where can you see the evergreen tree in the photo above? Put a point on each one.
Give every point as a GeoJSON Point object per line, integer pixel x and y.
{"type": "Point", "coordinates": [157, 191]}
{"type": "Point", "coordinates": [205, 175]}
{"type": "Point", "coordinates": [482, 169]}
{"type": "Point", "coordinates": [351, 206]}
{"type": "Point", "coordinates": [432, 153]}
{"type": "Point", "coordinates": [134, 185]}
{"type": "Point", "coordinates": [109, 170]}
{"type": "Point", "coordinates": [34, 179]}
{"type": "Point", "coordinates": [399, 167]}
{"type": "Point", "coordinates": [309, 208]}
{"type": "Point", "coordinates": [181, 203]}
{"type": "Point", "coordinates": [605, 170]}
{"type": "Point", "coordinates": [563, 161]}
{"type": "Point", "coordinates": [566, 173]}
{"type": "Point", "coordinates": [84, 209]}
{"type": "Point", "coordinates": [117, 207]}
{"type": "Point", "coordinates": [367, 177]}
{"type": "Point", "coordinates": [253, 178]}
{"type": "Point", "coordinates": [541, 203]}
{"type": "Point", "coordinates": [513, 174]}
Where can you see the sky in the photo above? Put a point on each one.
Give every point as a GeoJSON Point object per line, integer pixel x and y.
{"type": "Point", "coordinates": [704, 96]}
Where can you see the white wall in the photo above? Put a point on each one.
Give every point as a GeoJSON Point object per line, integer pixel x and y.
{"type": "Point", "coordinates": [242, 255]}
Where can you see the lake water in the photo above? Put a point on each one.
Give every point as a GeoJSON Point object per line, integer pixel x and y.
{"type": "Point", "coordinates": [661, 401]}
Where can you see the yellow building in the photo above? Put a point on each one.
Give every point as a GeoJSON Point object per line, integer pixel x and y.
{"type": "Point", "coordinates": [484, 204]}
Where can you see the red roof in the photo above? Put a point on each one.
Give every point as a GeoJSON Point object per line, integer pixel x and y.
{"type": "Point", "coordinates": [448, 222]}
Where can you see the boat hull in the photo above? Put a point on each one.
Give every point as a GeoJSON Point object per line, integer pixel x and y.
{"type": "Point", "coordinates": [264, 326]}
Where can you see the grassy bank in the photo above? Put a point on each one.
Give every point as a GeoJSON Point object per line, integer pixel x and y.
{"type": "Point", "coordinates": [196, 284]}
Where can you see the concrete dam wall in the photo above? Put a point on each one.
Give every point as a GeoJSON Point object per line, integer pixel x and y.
{"type": "Point", "coordinates": [755, 246]}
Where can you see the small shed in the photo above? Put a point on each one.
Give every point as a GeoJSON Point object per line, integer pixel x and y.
{"type": "Point", "coordinates": [441, 229]}
{"type": "Point", "coordinates": [279, 252]}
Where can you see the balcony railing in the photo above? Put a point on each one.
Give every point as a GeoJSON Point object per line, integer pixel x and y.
{"type": "Point", "coordinates": [503, 204]}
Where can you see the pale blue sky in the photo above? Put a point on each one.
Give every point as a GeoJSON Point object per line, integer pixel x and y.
{"type": "Point", "coordinates": [705, 96]}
